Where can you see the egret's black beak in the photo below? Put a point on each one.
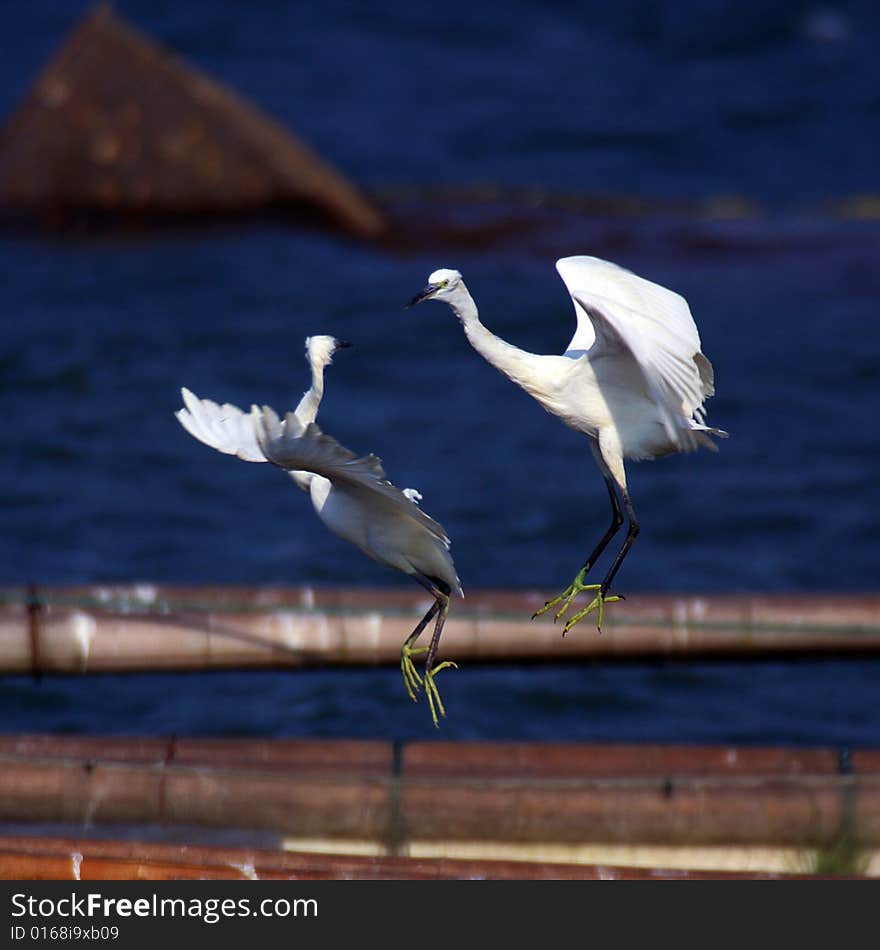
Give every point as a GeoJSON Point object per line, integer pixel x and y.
{"type": "Point", "coordinates": [422, 295]}
{"type": "Point", "coordinates": [343, 344]}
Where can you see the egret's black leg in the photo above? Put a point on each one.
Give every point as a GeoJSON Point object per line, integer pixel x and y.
{"type": "Point", "coordinates": [411, 678]}
{"type": "Point", "coordinates": [411, 639]}
{"type": "Point", "coordinates": [442, 606]}
{"type": "Point", "coordinates": [431, 671]}
{"type": "Point", "coordinates": [613, 528]}
{"type": "Point", "coordinates": [439, 609]}
{"type": "Point", "coordinates": [631, 534]}
{"type": "Point", "coordinates": [600, 597]}
{"type": "Point", "coordinates": [577, 584]}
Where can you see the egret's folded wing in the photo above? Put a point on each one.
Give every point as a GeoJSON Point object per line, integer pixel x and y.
{"type": "Point", "coordinates": [287, 445]}
{"type": "Point", "coordinates": [654, 324]}
{"type": "Point", "coordinates": [225, 428]}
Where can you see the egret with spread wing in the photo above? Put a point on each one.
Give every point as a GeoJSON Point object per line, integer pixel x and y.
{"type": "Point", "coordinates": [351, 496]}
{"type": "Point", "coordinates": [230, 430]}
{"type": "Point", "coordinates": [633, 379]}
{"type": "Point", "coordinates": [354, 498]}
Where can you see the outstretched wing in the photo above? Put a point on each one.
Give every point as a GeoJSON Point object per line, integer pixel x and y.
{"type": "Point", "coordinates": [225, 428]}
{"type": "Point", "coordinates": [289, 446]}
{"type": "Point", "coordinates": [617, 310]}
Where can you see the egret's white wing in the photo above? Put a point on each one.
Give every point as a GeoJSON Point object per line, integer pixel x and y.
{"type": "Point", "coordinates": [289, 446]}
{"type": "Point", "coordinates": [616, 308]}
{"type": "Point", "coordinates": [225, 428]}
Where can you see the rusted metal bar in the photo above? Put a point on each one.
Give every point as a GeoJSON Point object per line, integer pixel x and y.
{"type": "Point", "coordinates": [437, 759]}
{"type": "Point", "coordinates": [360, 757]}
{"type": "Point", "coordinates": [525, 793]}
{"type": "Point", "coordinates": [58, 859]}
{"type": "Point", "coordinates": [101, 629]}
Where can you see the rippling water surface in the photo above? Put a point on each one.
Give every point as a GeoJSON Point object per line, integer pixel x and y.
{"type": "Point", "coordinates": [776, 104]}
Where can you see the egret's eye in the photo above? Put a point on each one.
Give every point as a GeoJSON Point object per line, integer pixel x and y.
{"type": "Point", "coordinates": [442, 284]}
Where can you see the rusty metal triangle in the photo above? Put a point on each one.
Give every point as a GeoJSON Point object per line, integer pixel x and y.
{"type": "Point", "coordinates": [117, 125]}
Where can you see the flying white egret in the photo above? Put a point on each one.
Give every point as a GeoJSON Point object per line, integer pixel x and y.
{"type": "Point", "coordinates": [354, 498]}
{"type": "Point", "coordinates": [633, 379]}
{"type": "Point", "coordinates": [351, 495]}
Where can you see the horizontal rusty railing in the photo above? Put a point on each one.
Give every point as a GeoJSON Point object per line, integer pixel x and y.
{"type": "Point", "coordinates": [424, 797]}
{"type": "Point", "coordinates": [143, 627]}
{"type": "Point", "coordinates": [28, 858]}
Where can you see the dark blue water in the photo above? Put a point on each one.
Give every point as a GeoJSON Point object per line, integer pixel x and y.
{"type": "Point", "coordinates": [778, 104]}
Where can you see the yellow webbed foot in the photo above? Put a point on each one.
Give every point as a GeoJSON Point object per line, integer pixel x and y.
{"type": "Point", "coordinates": [576, 587]}
{"type": "Point", "coordinates": [411, 678]}
{"type": "Point", "coordinates": [568, 595]}
{"type": "Point", "coordinates": [413, 681]}
{"type": "Point", "coordinates": [597, 604]}
{"type": "Point", "coordinates": [434, 701]}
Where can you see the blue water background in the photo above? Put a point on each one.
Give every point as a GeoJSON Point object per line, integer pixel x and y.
{"type": "Point", "coordinates": [777, 104]}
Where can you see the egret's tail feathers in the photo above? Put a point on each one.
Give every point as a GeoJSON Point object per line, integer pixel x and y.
{"type": "Point", "coordinates": [700, 427]}
{"type": "Point", "coordinates": [225, 428]}
{"type": "Point", "coordinates": [718, 433]}
{"type": "Point", "coordinates": [703, 433]}
{"type": "Point", "coordinates": [456, 588]}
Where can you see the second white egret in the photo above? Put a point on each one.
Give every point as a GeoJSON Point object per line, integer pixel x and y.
{"type": "Point", "coordinates": [633, 379]}
{"type": "Point", "coordinates": [351, 495]}
{"type": "Point", "coordinates": [354, 498]}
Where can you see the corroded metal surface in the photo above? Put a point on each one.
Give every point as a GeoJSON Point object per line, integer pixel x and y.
{"type": "Point", "coordinates": [28, 858]}
{"type": "Point", "coordinates": [117, 127]}
{"type": "Point", "coordinates": [431, 796]}
{"type": "Point", "coordinates": [142, 627]}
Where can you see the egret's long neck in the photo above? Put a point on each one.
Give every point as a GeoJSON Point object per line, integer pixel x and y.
{"type": "Point", "coordinates": [307, 410]}
{"type": "Point", "coordinates": [508, 359]}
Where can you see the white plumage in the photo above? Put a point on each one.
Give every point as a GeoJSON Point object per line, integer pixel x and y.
{"type": "Point", "coordinates": [354, 498]}
{"type": "Point", "coordinates": [230, 430]}
{"type": "Point", "coordinates": [225, 428]}
{"type": "Point", "coordinates": [633, 379]}
{"type": "Point", "coordinates": [350, 494]}
{"type": "Point", "coordinates": [622, 318]}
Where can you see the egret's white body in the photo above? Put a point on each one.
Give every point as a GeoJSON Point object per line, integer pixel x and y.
{"type": "Point", "coordinates": [633, 378]}
{"type": "Point", "coordinates": [354, 498]}
{"type": "Point", "coordinates": [351, 495]}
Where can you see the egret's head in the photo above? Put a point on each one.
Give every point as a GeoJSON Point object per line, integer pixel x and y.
{"type": "Point", "coordinates": [320, 349]}
{"type": "Point", "coordinates": [441, 284]}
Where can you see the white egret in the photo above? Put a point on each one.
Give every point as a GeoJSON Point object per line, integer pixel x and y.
{"type": "Point", "coordinates": [351, 495]}
{"type": "Point", "coordinates": [354, 498]}
{"type": "Point", "coordinates": [633, 379]}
